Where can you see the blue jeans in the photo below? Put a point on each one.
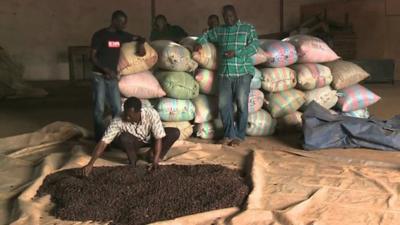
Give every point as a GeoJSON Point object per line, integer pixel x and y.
{"type": "Point", "coordinates": [103, 90]}
{"type": "Point", "coordinates": [234, 90]}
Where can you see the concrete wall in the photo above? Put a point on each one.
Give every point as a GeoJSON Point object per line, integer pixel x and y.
{"type": "Point", "coordinates": [192, 14]}
{"type": "Point", "coordinates": [375, 22]}
{"type": "Point", "coordinates": [37, 33]}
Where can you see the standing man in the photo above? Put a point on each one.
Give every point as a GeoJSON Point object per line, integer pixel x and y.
{"type": "Point", "coordinates": [212, 22]}
{"type": "Point", "coordinates": [106, 44]}
{"type": "Point", "coordinates": [136, 128]}
{"type": "Point", "coordinates": [162, 30]}
{"type": "Point", "coordinates": [237, 42]}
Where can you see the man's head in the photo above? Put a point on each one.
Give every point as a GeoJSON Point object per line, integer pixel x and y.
{"type": "Point", "coordinates": [160, 22]}
{"type": "Point", "coordinates": [213, 21]}
{"type": "Point", "coordinates": [229, 14]}
{"type": "Point", "coordinates": [119, 20]}
{"type": "Point", "coordinates": [132, 110]}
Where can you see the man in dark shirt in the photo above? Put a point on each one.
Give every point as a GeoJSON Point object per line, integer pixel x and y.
{"type": "Point", "coordinates": [162, 30]}
{"type": "Point", "coordinates": [106, 44]}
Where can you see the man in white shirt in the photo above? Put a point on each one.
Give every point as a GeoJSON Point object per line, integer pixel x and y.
{"type": "Point", "coordinates": [136, 128]}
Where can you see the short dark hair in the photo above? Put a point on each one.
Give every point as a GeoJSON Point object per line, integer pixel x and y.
{"type": "Point", "coordinates": [117, 14]}
{"type": "Point", "coordinates": [228, 8]}
{"type": "Point", "coordinates": [133, 103]}
{"type": "Point", "coordinates": [213, 16]}
{"type": "Point", "coordinates": [160, 16]}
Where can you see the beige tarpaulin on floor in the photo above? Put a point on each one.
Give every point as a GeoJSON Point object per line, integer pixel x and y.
{"type": "Point", "coordinates": [290, 186]}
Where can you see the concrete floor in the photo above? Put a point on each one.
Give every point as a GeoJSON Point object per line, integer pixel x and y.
{"type": "Point", "coordinates": [72, 103]}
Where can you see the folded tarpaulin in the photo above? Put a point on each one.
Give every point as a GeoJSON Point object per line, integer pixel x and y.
{"type": "Point", "coordinates": [322, 129]}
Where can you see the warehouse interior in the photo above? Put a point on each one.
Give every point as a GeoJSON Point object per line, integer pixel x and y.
{"type": "Point", "coordinates": [46, 113]}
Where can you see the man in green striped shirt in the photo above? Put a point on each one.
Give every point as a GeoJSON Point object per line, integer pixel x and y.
{"type": "Point", "coordinates": [236, 42]}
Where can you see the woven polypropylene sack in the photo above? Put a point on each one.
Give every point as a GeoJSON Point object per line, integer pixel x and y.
{"type": "Point", "coordinates": [188, 42]}
{"type": "Point", "coordinates": [278, 79]}
{"type": "Point", "coordinates": [312, 49]}
{"type": "Point", "coordinates": [207, 80]}
{"type": "Point", "coordinates": [140, 85]}
{"type": "Point", "coordinates": [179, 85]}
{"type": "Point", "coordinates": [260, 124]}
{"type": "Point", "coordinates": [346, 74]}
{"type": "Point", "coordinates": [256, 100]}
{"type": "Point", "coordinates": [290, 123]}
{"type": "Point", "coordinates": [325, 96]}
{"type": "Point", "coordinates": [256, 80]}
{"type": "Point", "coordinates": [312, 75]}
{"type": "Point", "coordinates": [206, 57]}
{"type": "Point", "coordinates": [279, 53]}
{"type": "Point", "coordinates": [285, 102]}
{"type": "Point", "coordinates": [356, 97]}
{"type": "Point", "coordinates": [173, 110]}
{"type": "Point", "coordinates": [185, 128]}
{"type": "Point", "coordinates": [259, 58]}
{"type": "Point", "coordinates": [130, 63]}
{"type": "Point", "coordinates": [206, 108]}
{"type": "Point", "coordinates": [210, 130]}
{"type": "Point", "coordinates": [174, 57]}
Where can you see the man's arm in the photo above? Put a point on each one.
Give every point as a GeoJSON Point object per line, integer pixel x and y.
{"type": "Point", "coordinates": [100, 147]}
{"type": "Point", "coordinates": [209, 36]}
{"type": "Point", "coordinates": [141, 51]}
{"type": "Point", "coordinates": [157, 152]}
{"type": "Point", "coordinates": [252, 45]}
{"type": "Point", "coordinates": [112, 131]}
{"type": "Point", "coordinates": [158, 132]}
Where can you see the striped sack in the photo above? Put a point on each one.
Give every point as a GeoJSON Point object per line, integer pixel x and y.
{"type": "Point", "coordinates": [207, 81]}
{"type": "Point", "coordinates": [174, 57]}
{"type": "Point", "coordinates": [360, 113]}
{"type": "Point", "coordinates": [206, 108]}
{"type": "Point", "coordinates": [140, 85]}
{"type": "Point", "coordinates": [257, 78]}
{"type": "Point", "coordinates": [130, 63]}
{"type": "Point", "coordinates": [206, 57]}
{"type": "Point", "coordinates": [210, 130]}
{"type": "Point", "coordinates": [356, 97]}
{"type": "Point", "coordinates": [260, 124]}
{"type": "Point", "coordinates": [179, 85]}
{"type": "Point", "coordinates": [185, 128]}
{"type": "Point", "coordinates": [312, 49]}
{"type": "Point", "coordinates": [256, 100]}
{"type": "Point", "coordinates": [346, 74]}
{"type": "Point", "coordinates": [278, 79]}
{"type": "Point", "coordinates": [283, 103]}
{"type": "Point", "coordinates": [259, 58]}
{"type": "Point", "coordinates": [173, 110]}
{"type": "Point", "coordinates": [325, 96]}
{"type": "Point", "coordinates": [291, 122]}
{"type": "Point", "coordinates": [311, 76]}
{"type": "Point", "coordinates": [279, 53]}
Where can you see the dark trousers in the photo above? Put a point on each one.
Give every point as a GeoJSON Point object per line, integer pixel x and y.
{"type": "Point", "coordinates": [131, 144]}
{"type": "Point", "coordinates": [104, 90]}
{"type": "Point", "coordinates": [234, 90]}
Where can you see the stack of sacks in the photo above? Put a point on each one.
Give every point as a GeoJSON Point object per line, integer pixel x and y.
{"type": "Point", "coordinates": [353, 98]}
{"type": "Point", "coordinates": [278, 81]}
{"type": "Point", "coordinates": [136, 79]}
{"type": "Point", "coordinates": [174, 64]}
{"type": "Point", "coordinates": [293, 86]}
{"type": "Point", "coordinates": [208, 125]}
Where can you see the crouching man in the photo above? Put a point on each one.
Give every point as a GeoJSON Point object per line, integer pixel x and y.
{"type": "Point", "coordinates": [137, 127]}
